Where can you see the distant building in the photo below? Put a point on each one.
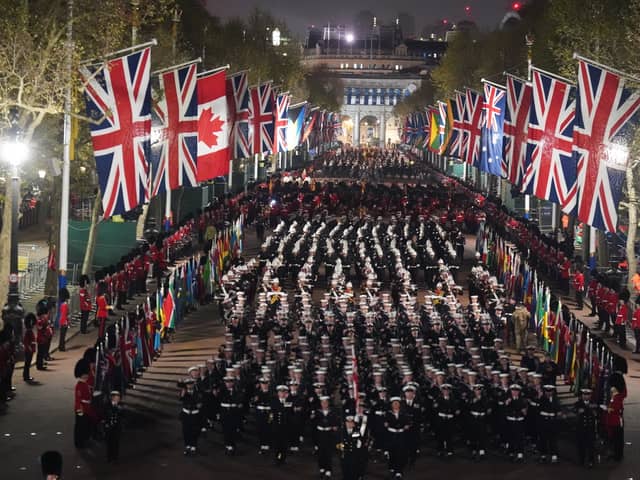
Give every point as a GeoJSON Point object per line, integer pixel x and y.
{"type": "Point", "coordinates": [407, 23]}
{"type": "Point", "coordinates": [378, 69]}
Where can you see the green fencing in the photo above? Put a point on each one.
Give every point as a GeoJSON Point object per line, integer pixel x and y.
{"type": "Point", "coordinates": [115, 239]}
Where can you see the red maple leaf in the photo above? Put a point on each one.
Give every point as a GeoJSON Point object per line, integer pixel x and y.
{"type": "Point", "coordinates": [210, 127]}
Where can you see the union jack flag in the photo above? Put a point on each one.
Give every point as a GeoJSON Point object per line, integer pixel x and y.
{"type": "Point", "coordinates": [282, 122]}
{"type": "Point", "coordinates": [261, 118]}
{"type": "Point", "coordinates": [604, 107]}
{"type": "Point", "coordinates": [408, 130]}
{"type": "Point", "coordinates": [516, 123]}
{"type": "Point", "coordinates": [473, 127]}
{"type": "Point", "coordinates": [238, 111]}
{"type": "Point", "coordinates": [551, 168]}
{"type": "Point", "coordinates": [118, 98]}
{"type": "Point", "coordinates": [457, 111]}
{"type": "Point", "coordinates": [174, 162]}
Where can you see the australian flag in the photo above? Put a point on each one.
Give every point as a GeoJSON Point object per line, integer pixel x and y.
{"type": "Point", "coordinates": [492, 129]}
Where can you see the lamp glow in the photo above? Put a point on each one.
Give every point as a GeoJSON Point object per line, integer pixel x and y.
{"type": "Point", "coordinates": [15, 152]}
{"type": "Point", "coordinates": [42, 174]}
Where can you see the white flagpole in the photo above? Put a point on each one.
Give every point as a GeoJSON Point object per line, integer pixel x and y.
{"type": "Point", "coordinates": [66, 157]}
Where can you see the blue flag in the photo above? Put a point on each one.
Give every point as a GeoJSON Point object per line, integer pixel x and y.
{"type": "Point", "coordinates": [492, 129]}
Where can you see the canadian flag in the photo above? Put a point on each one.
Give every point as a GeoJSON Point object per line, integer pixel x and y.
{"type": "Point", "coordinates": [213, 127]}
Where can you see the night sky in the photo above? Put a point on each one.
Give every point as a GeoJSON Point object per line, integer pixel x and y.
{"type": "Point", "coordinates": [300, 13]}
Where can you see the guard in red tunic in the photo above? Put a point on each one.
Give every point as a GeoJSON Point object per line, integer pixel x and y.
{"type": "Point", "coordinates": [82, 405]}
{"type": "Point", "coordinates": [620, 326]}
{"type": "Point", "coordinates": [635, 326]}
{"type": "Point", "coordinates": [42, 336]}
{"type": "Point", "coordinates": [103, 309]}
{"type": "Point", "coordinates": [29, 345]}
{"type": "Point", "coordinates": [591, 293]}
{"type": "Point", "coordinates": [614, 422]}
{"type": "Point", "coordinates": [85, 303]}
{"type": "Point", "coordinates": [578, 286]}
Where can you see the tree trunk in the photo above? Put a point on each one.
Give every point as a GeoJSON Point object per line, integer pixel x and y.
{"type": "Point", "coordinates": [602, 249]}
{"type": "Point", "coordinates": [5, 245]}
{"type": "Point", "coordinates": [142, 220]}
{"type": "Point", "coordinates": [178, 208]}
{"type": "Point", "coordinates": [87, 262]}
{"type": "Point", "coordinates": [633, 226]}
{"type": "Point", "coordinates": [51, 281]}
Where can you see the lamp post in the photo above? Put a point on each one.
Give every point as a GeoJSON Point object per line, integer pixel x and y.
{"type": "Point", "coordinates": [14, 152]}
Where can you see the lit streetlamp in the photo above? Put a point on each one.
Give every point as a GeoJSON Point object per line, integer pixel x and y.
{"type": "Point", "coordinates": [275, 37]}
{"type": "Point", "coordinates": [350, 38]}
{"type": "Point", "coordinates": [14, 152]}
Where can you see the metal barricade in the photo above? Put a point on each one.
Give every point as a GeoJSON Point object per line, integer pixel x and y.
{"type": "Point", "coordinates": [32, 280]}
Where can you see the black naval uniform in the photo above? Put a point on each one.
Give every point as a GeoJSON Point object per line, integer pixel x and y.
{"type": "Point", "coordinates": [113, 429]}
{"type": "Point", "coordinates": [326, 426]}
{"type": "Point", "coordinates": [515, 409]}
{"type": "Point", "coordinates": [587, 421]}
{"type": "Point", "coordinates": [548, 426]}
{"type": "Point", "coordinates": [477, 421]}
{"type": "Point", "coordinates": [413, 411]}
{"type": "Point", "coordinates": [353, 454]}
{"type": "Point", "coordinates": [281, 411]}
{"type": "Point", "coordinates": [397, 426]}
{"type": "Point", "coordinates": [445, 411]}
{"type": "Point", "coordinates": [231, 411]}
{"type": "Point", "coordinates": [263, 413]}
{"type": "Point", "coordinates": [190, 417]}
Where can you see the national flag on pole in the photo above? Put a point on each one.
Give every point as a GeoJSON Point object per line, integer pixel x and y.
{"type": "Point", "coordinates": [174, 161]}
{"type": "Point", "coordinates": [295, 125]}
{"type": "Point", "coordinates": [421, 129]}
{"type": "Point", "coordinates": [214, 127]}
{"type": "Point", "coordinates": [495, 100]}
{"type": "Point", "coordinates": [309, 123]}
{"type": "Point", "coordinates": [516, 123]}
{"type": "Point", "coordinates": [261, 118]}
{"type": "Point", "coordinates": [118, 98]}
{"type": "Point", "coordinates": [604, 110]}
{"type": "Point", "coordinates": [282, 122]}
{"type": "Point", "coordinates": [434, 139]}
{"type": "Point", "coordinates": [237, 91]}
{"type": "Point", "coordinates": [551, 169]}
{"type": "Point", "coordinates": [473, 127]}
{"type": "Point", "coordinates": [169, 307]}
{"type": "Point", "coordinates": [456, 110]}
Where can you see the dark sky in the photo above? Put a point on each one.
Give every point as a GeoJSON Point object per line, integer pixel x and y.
{"type": "Point", "coordinates": [300, 13]}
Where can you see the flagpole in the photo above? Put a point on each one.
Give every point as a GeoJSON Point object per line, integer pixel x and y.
{"type": "Point", "coordinates": [488, 82]}
{"type": "Point", "coordinates": [151, 43]}
{"type": "Point", "coordinates": [529, 43]}
{"type": "Point", "coordinates": [554, 75]}
{"type": "Point", "coordinates": [216, 70]}
{"type": "Point", "coordinates": [606, 67]}
{"type": "Point", "coordinates": [176, 67]}
{"type": "Point", "coordinates": [66, 158]}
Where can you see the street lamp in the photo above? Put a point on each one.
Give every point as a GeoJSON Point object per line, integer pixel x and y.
{"type": "Point", "coordinates": [350, 38]}
{"type": "Point", "coordinates": [42, 174]}
{"type": "Point", "coordinates": [14, 152]}
{"type": "Point", "coordinates": [275, 37]}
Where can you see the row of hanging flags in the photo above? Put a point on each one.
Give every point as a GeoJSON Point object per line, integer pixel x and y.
{"type": "Point", "coordinates": [197, 277]}
{"type": "Point", "coordinates": [562, 142]}
{"type": "Point", "coordinates": [583, 358]}
{"type": "Point", "coordinates": [157, 132]}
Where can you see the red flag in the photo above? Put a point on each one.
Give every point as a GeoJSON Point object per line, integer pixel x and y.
{"type": "Point", "coordinates": [213, 127]}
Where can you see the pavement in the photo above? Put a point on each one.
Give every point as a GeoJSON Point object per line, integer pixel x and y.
{"type": "Point", "coordinates": [41, 417]}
